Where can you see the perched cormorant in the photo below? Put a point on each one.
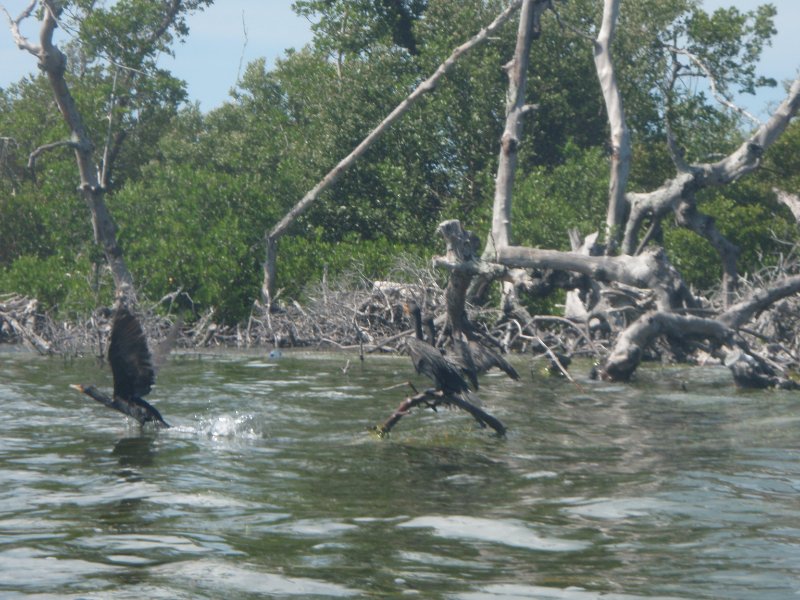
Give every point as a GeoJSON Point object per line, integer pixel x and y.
{"type": "Point", "coordinates": [471, 357]}
{"type": "Point", "coordinates": [447, 376]}
{"type": "Point", "coordinates": [431, 329]}
{"type": "Point", "coordinates": [429, 361]}
{"type": "Point", "coordinates": [412, 308]}
{"type": "Point", "coordinates": [132, 370]}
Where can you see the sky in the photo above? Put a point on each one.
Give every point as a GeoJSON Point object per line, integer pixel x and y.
{"type": "Point", "coordinates": [225, 36]}
{"type": "Point", "coordinates": [231, 33]}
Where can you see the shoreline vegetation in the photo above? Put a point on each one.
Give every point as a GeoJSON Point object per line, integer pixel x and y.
{"type": "Point", "coordinates": [367, 317]}
{"type": "Point", "coordinates": [679, 189]}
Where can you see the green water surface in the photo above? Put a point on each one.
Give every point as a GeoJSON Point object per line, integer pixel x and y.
{"type": "Point", "coordinates": [269, 485]}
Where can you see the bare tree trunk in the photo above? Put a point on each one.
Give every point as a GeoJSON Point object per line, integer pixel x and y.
{"type": "Point", "coordinates": [517, 70]}
{"type": "Point", "coordinates": [747, 157]}
{"type": "Point", "coordinates": [94, 174]}
{"type": "Point", "coordinates": [53, 62]}
{"type": "Point", "coordinates": [280, 228]}
{"type": "Point", "coordinates": [268, 282]}
{"type": "Point", "coordinates": [463, 263]}
{"type": "Point", "coordinates": [792, 201]}
{"type": "Point", "coordinates": [620, 135]}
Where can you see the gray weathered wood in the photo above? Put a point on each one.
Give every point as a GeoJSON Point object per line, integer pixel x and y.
{"type": "Point", "coordinates": [280, 228]}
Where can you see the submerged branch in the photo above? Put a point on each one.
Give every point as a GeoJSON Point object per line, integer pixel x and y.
{"type": "Point", "coordinates": [433, 399]}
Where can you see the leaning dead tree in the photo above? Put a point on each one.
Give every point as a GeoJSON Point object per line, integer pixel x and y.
{"type": "Point", "coordinates": [94, 159]}
{"type": "Point", "coordinates": [279, 229]}
{"type": "Point", "coordinates": [53, 62]}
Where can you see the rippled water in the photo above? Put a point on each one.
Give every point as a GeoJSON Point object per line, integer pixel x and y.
{"type": "Point", "coordinates": [269, 485]}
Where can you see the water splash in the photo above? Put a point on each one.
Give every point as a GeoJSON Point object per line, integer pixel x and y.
{"type": "Point", "coordinates": [241, 426]}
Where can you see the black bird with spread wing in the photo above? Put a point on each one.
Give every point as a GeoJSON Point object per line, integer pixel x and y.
{"type": "Point", "coordinates": [475, 357]}
{"type": "Point", "coordinates": [132, 369]}
{"type": "Point", "coordinates": [429, 361]}
{"type": "Point", "coordinates": [451, 388]}
{"type": "Point", "coordinates": [470, 358]}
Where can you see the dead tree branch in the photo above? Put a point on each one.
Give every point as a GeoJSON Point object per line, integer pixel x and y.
{"type": "Point", "coordinates": [280, 228]}
{"type": "Point", "coordinates": [712, 82]}
{"type": "Point", "coordinates": [649, 270]}
{"type": "Point", "coordinates": [44, 148]}
{"type": "Point", "coordinates": [740, 313]}
{"type": "Point", "coordinates": [746, 158]}
{"type": "Point", "coordinates": [620, 139]}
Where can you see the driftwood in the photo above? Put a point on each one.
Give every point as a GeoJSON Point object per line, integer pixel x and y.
{"type": "Point", "coordinates": [792, 201]}
{"type": "Point", "coordinates": [434, 399]}
{"type": "Point", "coordinates": [631, 344]}
{"type": "Point", "coordinates": [748, 368]}
{"type": "Point", "coordinates": [20, 320]}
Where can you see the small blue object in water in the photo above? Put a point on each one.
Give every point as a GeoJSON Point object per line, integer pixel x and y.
{"type": "Point", "coordinates": [275, 353]}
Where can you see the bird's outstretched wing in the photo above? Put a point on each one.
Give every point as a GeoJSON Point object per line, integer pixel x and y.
{"type": "Point", "coordinates": [466, 361]}
{"type": "Point", "coordinates": [131, 363]}
{"type": "Point", "coordinates": [429, 361]}
{"type": "Point", "coordinates": [486, 358]}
